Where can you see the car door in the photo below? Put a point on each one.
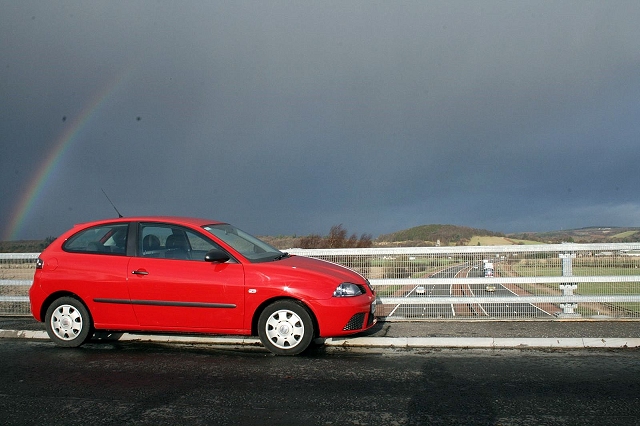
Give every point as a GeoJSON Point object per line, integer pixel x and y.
{"type": "Point", "coordinates": [172, 287]}
{"type": "Point", "coordinates": [93, 265]}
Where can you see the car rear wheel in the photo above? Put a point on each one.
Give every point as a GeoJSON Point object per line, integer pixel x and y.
{"type": "Point", "coordinates": [68, 322]}
{"type": "Point", "coordinates": [285, 328]}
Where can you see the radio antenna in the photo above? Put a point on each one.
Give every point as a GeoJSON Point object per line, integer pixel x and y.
{"type": "Point", "coordinates": [113, 205]}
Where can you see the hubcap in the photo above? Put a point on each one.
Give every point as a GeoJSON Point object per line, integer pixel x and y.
{"type": "Point", "coordinates": [284, 329]}
{"type": "Point", "coordinates": [66, 322]}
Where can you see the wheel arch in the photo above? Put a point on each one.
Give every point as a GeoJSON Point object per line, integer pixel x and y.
{"type": "Point", "coordinates": [264, 304]}
{"type": "Point", "coordinates": [54, 296]}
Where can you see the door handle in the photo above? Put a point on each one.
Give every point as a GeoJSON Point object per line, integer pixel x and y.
{"type": "Point", "coordinates": [140, 272]}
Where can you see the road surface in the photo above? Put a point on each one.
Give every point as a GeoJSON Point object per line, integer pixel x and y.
{"type": "Point", "coordinates": [155, 384]}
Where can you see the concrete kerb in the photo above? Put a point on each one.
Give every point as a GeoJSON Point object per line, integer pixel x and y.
{"type": "Point", "coordinates": [484, 342]}
{"type": "Point", "coordinates": [372, 342]}
{"type": "Point", "coordinates": [23, 334]}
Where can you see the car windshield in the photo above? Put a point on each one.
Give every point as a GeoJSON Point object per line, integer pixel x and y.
{"type": "Point", "coordinates": [249, 246]}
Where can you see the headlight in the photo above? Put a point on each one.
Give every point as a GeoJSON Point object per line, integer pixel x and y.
{"type": "Point", "coordinates": [347, 290]}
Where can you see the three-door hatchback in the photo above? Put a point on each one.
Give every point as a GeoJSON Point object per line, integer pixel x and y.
{"type": "Point", "coordinates": [187, 275]}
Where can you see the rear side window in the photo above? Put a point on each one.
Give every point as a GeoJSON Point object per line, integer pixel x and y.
{"type": "Point", "coordinates": [103, 239]}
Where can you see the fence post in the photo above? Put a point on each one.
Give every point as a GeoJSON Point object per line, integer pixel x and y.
{"type": "Point", "coordinates": [568, 309]}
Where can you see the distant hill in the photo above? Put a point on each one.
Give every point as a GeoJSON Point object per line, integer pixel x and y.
{"type": "Point", "coordinates": [24, 246]}
{"type": "Point", "coordinates": [430, 235]}
{"type": "Point", "coordinates": [593, 234]}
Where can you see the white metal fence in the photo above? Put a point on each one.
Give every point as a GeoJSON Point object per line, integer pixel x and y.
{"type": "Point", "coordinates": [479, 282]}
{"type": "Point", "coordinates": [16, 275]}
{"type": "Point", "coordinates": [499, 282]}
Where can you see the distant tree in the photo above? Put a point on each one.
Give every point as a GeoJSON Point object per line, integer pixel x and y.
{"type": "Point", "coordinates": [312, 241]}
{"type": "Point", "coordinates": [337, 238]}
{"type": "Point", "coordinates": [365, 241]}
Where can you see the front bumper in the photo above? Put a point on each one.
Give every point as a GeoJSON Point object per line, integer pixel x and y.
{"type": "Point", "coordinates": [341, 316]}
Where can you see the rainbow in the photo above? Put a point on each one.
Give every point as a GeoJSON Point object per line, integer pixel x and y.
{"type": "Point", "coordinates": [50, 164]}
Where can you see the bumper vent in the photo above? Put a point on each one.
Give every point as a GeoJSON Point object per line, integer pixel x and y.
{"type": "Point", "coordinates": [355, 323]}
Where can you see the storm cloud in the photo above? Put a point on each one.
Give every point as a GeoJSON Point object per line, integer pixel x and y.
{"type": "Point", "coordinates": [290, 117]}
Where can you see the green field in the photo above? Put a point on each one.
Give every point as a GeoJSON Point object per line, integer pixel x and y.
{"type": "Point", "coordinates": [498, 241]}
{"type": "Point", "coordinates": [624, 234]}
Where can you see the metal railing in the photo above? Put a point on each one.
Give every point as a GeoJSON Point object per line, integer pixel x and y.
{"type": "Point", "coordinates": [16, 276]}
{"type": "Point", "coordinates": [499, 282]}
{"type": "Point", "coordinates": [468, 282]}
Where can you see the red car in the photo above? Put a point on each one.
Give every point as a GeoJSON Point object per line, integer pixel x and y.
{"type": "Point", "coordinates": [172, 274]}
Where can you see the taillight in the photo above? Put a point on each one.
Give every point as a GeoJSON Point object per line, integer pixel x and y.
{"type": "Point", "coordinates": [39, 263]}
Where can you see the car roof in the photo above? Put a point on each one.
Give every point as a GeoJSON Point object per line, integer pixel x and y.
{"type": "Point", "coordinates": [193, 221]}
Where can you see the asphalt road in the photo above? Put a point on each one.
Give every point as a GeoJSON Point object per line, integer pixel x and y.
{"type": "Point", "coordinates": [150, 383]}
{"type": "Point", "coordinates": [490, 310]}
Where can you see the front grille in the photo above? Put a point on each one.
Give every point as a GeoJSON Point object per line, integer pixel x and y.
{"type": "Point", "coordinates": [355, 323]}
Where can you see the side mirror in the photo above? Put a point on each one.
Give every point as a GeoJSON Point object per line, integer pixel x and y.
{"type": "Point", "coordinates": [216, 256]}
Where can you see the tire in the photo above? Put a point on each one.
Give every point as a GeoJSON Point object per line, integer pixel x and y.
{"type": "Point", "coordinates": [68, 322]}
{"type": "Point", "coordinates": [285, 328]}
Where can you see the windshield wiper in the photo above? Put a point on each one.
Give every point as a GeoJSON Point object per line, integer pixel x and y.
{"type": "Point", "coordinates": [281, 256]}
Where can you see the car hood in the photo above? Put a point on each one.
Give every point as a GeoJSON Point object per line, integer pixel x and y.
{"type": "Point", "coordinates": [321, 268]}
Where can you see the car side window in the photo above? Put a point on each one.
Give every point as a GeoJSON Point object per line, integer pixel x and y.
{"type": "Point", "coordinates": [173, 242]}
{"type": "Point", "coordinates": [103, 239]}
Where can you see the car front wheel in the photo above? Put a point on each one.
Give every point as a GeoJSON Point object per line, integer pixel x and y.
{"type": "Point", "coordinates": [68, 322]}
{"type": "Point", "coordinates": [285, 328]}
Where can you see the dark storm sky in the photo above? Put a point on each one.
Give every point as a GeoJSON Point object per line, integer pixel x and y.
{"type": "Point", "coordinates": [289, 117]}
